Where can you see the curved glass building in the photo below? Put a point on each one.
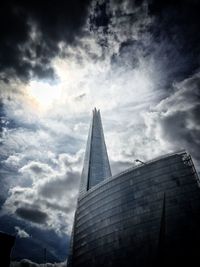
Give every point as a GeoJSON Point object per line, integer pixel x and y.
{"type": "Point", "coordinates": [148, 215]}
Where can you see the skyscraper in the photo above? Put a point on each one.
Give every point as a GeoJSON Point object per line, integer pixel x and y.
{"type": "Point", "coordinates": [148, 215]}
{"type": "Point", "coordinates": [96, 166]}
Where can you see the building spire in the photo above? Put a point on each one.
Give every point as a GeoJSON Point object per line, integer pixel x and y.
{"type": "Point", "coordinates": [96, 166]}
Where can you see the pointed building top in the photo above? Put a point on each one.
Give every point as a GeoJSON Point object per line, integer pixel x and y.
{"type": "Point", "coordinates": [96, 163]}
{"type": "Point", "coordinates": [95, 111]}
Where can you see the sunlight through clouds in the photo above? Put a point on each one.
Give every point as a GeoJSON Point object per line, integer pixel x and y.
{"type": "Point", "coordinates": [43, 93]}
{"type": "Point", "coordinates": [148, 98]}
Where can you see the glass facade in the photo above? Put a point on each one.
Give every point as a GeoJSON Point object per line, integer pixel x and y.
{"type": "Point", "coordinates": [96, 163]}
{"type": "Point", "coordinates": [146, 216]}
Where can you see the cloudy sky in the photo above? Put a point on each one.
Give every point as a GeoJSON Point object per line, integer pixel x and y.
{"type": "Point", "coordinates": [137, 61]}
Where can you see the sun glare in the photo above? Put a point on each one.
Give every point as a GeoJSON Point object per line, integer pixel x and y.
{"type": "Point", "coordinates": [43, 93]}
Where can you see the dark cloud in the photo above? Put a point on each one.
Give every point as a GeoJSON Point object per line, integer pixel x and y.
{"type": "Point", "coordinates": [60, 185]}
{"type": "Point", "coordinates": [129, 53]}
{"type": "Point", "coordinates": [32, 214]}
{"type": "Point", "coordinates": [177, 117]}
{"type": "Point", "coordinates": [176, 129]}
{"type": "Point", "coordinates": [170, 37]}
{"type": "Point", "coordinates": [36, 168]}
{"type": "Point", "coordinates": [100, 16]}
{"type": "Point", "coordinates": [176, 24]}
{"type": "Point", "coordinates": [31, 33]}
{"type": "Point", "coordinates": [157, 37]}
{"type": "Point", "coordinates": [32, 248]}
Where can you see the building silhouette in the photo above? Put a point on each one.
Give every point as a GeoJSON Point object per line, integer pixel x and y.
{"type": "Point", "coordinates": [6, 244]}
{"type": "Point", "coordinates": [146, 216]}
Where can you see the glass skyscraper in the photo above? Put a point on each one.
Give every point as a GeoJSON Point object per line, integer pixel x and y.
{"type": "Point", "coordinates": [146, 216]}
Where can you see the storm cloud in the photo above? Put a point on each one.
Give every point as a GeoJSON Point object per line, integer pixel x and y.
{"type": "Point", "coordinates": [31, 34]}
{"type": "Point", "coordinates": [32, 215]}
{"type": "Point", "coordinates": [176, 118]}
{"type": "Point", "coordinates": [137, 61]}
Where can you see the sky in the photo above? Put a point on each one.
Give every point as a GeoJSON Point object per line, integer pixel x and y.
{"type": "Point", "coordinates": [136, 61]}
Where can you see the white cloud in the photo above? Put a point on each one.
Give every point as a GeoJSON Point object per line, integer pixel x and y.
{"type": "Point", "coordinates": [36, 169]}
{"type": "Point", "coordinates": [21, 233]}
{"type": "Point", "coordinates": [175, 120]}
{"type": "Point", "coordinates": [50, 199]}
{"type": "Point", "coordinates": [46, 143]}
{"type": "Point", "coordinates": [13, 160]}
{"type": "Point", "coordinates": [29, 263]}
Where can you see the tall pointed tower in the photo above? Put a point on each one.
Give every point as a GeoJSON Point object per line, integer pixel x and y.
{"type": "Point", "coordinates": [147, 215]}
{"type": "Point", "coordinates": [96, 166]}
